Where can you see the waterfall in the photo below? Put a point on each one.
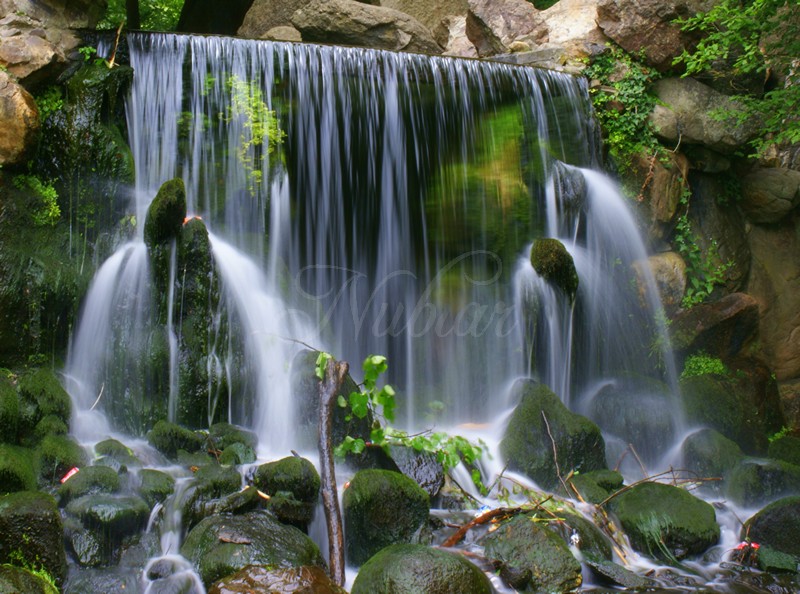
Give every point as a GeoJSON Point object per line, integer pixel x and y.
{"type": "Point", "coordinates": [369, 202]}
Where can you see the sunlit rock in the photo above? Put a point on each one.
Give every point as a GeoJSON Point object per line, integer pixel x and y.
{"type": "Point", "coordinates": [19, 119]}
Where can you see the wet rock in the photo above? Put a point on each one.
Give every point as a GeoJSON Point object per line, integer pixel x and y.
{"type": "Point", "coordinates": [57, 455]}
{"type": "Point", "coordinates": [15, 579]}
{"type": "Point", "coordinates": [210, 483]}
{"type": "Point", "coordinates": [493, 25]}
{"type": "Point", "coordinates": [117, 451]}
{"type": "Point", "coordinates": [769, 194]}
{"type": "Point", "coordinates": [612, 574]}
{"type": "Point", "coordinates": [237, 454]}
{"type": "Point", "coordinates": [31, 527]}
{"type": "Point", "coordinates": [254, 578]}
{"type": "Point", "coordinates": [665, 521]}
{"type": "Point", "coordinates": [595, 486]}
{"type": "Point", "coordinates": [776, 526]}
{"type": "Point", "coordinates": [523, 544]}
{"type": "Point", "coordinates": [293, 484]}
{"type": "Point", "coordinates": [114, 517]}
{"type": "Point", "coordinates": [155, 486]}
{"type": "Point", "coordinates": [776, 562]}
{"type": "Point", "coordinates": [19, 119]}
{"type": "Point", "coordinates": [756, 482]}
{"type": "Point", "coordinates": [223, 435]}
{"type": "Point", "coordinates": [668, 270]}
{"type": "Point", "coordinates": [423, 467]}
{"type": "Point", "coordinates": [49, 425]}
{"type": "Point", "coordinates": [417, 568]}
{"type": "Point", "coordinates": [528, 447]}
{"type": "Point", "coordinates": [785, 448]}
{"type": "Point", "coordinates": [166, 213]}
{"type": "Point", "coordinates": [591, 542]}
{"type": "Point", "coordinates": [686, 112]}
{"type": "Point", "coordinates": [168, 438]}
{"type": "Point", "coordinates": [709, 454]}
{"type": "Point", "coordinates": [551, 261]}
{"type": "Point", "coordinates": [16, 469]}
{"type": "Point", "coordinates": [381, 508]}
{"type": "Point", "coordinates": [348, 22]}
{"type": "Point", "coordinates": [223, 544]}
{"type": "Point", "coordinates": [88, 481]}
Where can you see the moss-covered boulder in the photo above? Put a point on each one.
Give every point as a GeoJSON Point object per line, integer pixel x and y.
{"type": "Point", "coordinates": [16, 580]}
{"type": "Point", "coordinates": [88, 481]}
{"type": "Point", "coordinates": [417, 568]}
{"type": "Point", "coordinates": [17, 469]}
{"type": "Point", "coordinates": [785, 448]}
{"type": "Point", "coordinates": [551, 261]}
{"type": "Point", "coordinates": [665, 521]}
{"type": "Point", "coordinates": [113, 516]}
{"type": "Point", "coordinates": [166, 213]}
{"type": "Point", "coordinates": [595, 486]}
{"type": "Point", "coordinates": [9, 411]}
{"type": "Point", "coordinates": [236, 454]}
{"type": "Point", "coordinates": [223, 544]}
{"type": "Point", "coordinates": [709, 454]}
{"type": "Point", "coordinates": [255, 578]}
{"type": "Point", "coordinates": [381, 508]}
{"type": "Point", "coordinates": [169, 438]}
{"type": "Point", "coordinates": [111, 449]}
{"type": "Point", "coordinates": [527, 443]}
{"type": "Point", "coordinates": [155, 486]}
{"type": "Point", "coordinates": [607, 572]}
{"type": "Point", "coordinates": [716, 401]}
{"type": "Point", "coordinates": [591, 541]}
{"type": "Point", "coordinates": [293, 484]}
{"type": "Point", "coordinates": [776, 526]}
{"type": "Point", "coordinates": [223, 435]}
{"type": "Point", "coordinates": [537, 557]}
{"type": "Point", "coordinates": [31, 532]}
{"type": "Point", "coordinates": [756, 482]}
{"type": "Point", "coordinates": [56, 455]}
{"type": "Point", "coordinates": [210, 483]}
{"type": "Point", "coordinates": [49, 425]}
{"type": "Point", "coordinates": [41, 395]}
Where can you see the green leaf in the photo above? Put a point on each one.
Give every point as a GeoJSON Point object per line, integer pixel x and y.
{"type": "Point", "coordinates": [322, 364]}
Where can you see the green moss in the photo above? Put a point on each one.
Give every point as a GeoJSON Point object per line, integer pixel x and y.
{"type": "Point", "coordinates": [223, 435]}
{"type": "Point", "coordinates": [16, 579]}
{"type": "Point", "coordinates": [41, 394]}
{"type": "Point", "coordinates": [113, 516]}
{"type": "Point", "coordinates": [166, 213]}
{"type": "Point", "coordinates": [49, 425]}
{"type": "Point", "coordinates": [155, 486]}
{"type": "Point", "coordinates": [17, 470]}
{"type": "Point", "coordinates": [785, 448]}
{"type": "Point", "coordinates": [168, 438]}
{"type": "Point", "coordinates": [56, 455]}
{"type": "Point", "coordinates": [551, 261]}
{"type": "Point", "coordinates": [115, 450]}
{"type": "Point", "coordinates": [709, 454]}
{"type": "Point", "coordinates": [236, 454]}
{"type": "Point", "coordinates": [293, 475]}
{"type": "Point", "coordinates": [753, 482]}
{"type": "Point", "coordinates": [89, 480]}
{"type": "Point", "coordinates": [9, 412]}
{"type": "Point", "coordinates": [777, 526]}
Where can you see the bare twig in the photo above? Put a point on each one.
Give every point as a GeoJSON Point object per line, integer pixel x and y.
{"type": "Point", "coordinates": [653, 479]}
{"type": "Point", "coordinates": [99, 396]}
{"type": "Point", "coordinates": [501, 513]}
{"type": "Point", "coordinates": [555, 453]}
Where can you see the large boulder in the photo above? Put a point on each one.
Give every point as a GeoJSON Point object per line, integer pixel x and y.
{"type": "Point", "coordinates": [666, 521]}
{"type": "Point", "coordinates": [155, 486]}
{"type": "Point", "coordinates": [19, 118]}
{"type": "Point", "coordinates": [572, 25]}
{"type": "Point", "coordinates": [348, 22]}
{"type": "Point", "coordinates": [89, 481]}
{"type": "Point", "coordinates": [493, 25]}
{"type": "Point", "coordinates": [648, 25]}
{"type": "Point", "coordinates": [756, 482]}
{"type": "Point", "coordinates": [293, 485]}
{"type": "Point", "coordinates": [551, 261]}
{"type": "Point", "coordinates": [776, 526]}
{"type": "Point", "coordinates": [169, 438]}
{"type": "Point", "coordinates": [381, 508]}
{"type": "Point", "coordinates": [687, 112]}
{"type": "Point", "coordinates": [166, 213]}
{"type": "Point", "coordinates": [264, 15]}
{"type": "Point", "coordinates": [430, 14]}
{"type": "Point", "coordinates": [769, 194]}
{"type": "Point", "coordinates": [56, 455]}
{"type": "Point", "coordinates": [539, 558]}
{"type": "Point", "coordinates": [223, 544]}
{"type": "Point", "coordinates": [209, 484]}
{"type": "Point", "coordinates": [418, 568]}
{"type": "Point", "coordinates": [529, 441]}
{"type": "Point", "coordinates": [31, 528]}
{"type": "Point", "coordinates": [255, 578]}
{"type": "Point", "coordinates": [668, 270]}
{"type": "Point", "coordinates": [710, 455]}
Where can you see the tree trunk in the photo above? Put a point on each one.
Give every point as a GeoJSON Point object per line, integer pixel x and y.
{"type": "Point", "coordinates": [132, 12]}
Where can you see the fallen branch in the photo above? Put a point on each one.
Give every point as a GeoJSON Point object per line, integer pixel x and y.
{"type": "Point", "coordinates": [653, 479]}
{"type": "Point", "coordinates": [502, 513]}
{"type": "Point", "coordinates": [555, 454]}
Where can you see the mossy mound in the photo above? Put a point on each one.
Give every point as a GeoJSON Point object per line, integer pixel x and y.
{"type": "Point", "coordinates": [41, 395]}
{"type": "Point", "coordinates": [117, 451]}
{"type": "Point", "coordinates": [786, 448]}
{"type": "Point", "coordinates": [49, 425]}
{"type": "Point", "coordinates": [592, 543]}
{"type": "Point", "coordinates": [777, 526]}
{"type": "Point", "coordinates": [223, 544]}
{"type": "Point", "coordinates": [155, 486]}
{"type": "Point", "coordinates": [292, 474]}
{"type": "Point", "coordinates": [169, 438]}
{"type": "Point", "coordinates": [9, 412]}
{"type": "Point", "coordinates": [527, 443]}
{"type": "Point", "coordinates": [381, 508]}
{"type": "Point", "coordinates": [56, 455]}
{"type": "Point", "coordinates": [115, 517]}
{"type": "Point", "coordinates": [595, 486]}
{"type": "Point", "coordinates": [709, 454]}
{"type": "Point", "coordinates": [166, 213]}
{"type": "Point", "coordinates": [551, 261]}
{"type": "Point", "coordinates": [223, 435]}
{"type": "Point", "coordinates": [417, 568]}
{"type": "Point", "coordinates": [17, 469]}
{"type": "Point", "coordinates": [665, 521]}
{"type": "Point", "coordinates": [254, 578]}
{"type": "Point", "coordinates": [31, 532]}
{"type": "Point", "coordinates": [210, 483]}
{"type": "Point", "coordinates": [537, 557]}
{"type": "Point", "coordinates": [16, 580]}
{"type": "Point", "coordinates": [756, 482]}
{"type": "Point", "coordinates": [236, 454]}
{"type": "Point", "coordinates": [88, 481]}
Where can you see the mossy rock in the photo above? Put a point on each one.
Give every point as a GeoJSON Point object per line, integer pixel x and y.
{"type": "Point", "coordinates": [223, 544]}
{"type": "Point", "coordinates": [551, 261]}
{"type": "Point", "coordinates": [381, 508]}
{"type": "Point", "coordinates": [593, 544]}
{"type": "Point", "coordinates": [210, 483]}
{"type": "Point", "coordinates": [88, 481]}
{"type": "Point", "coordinates": [17, 469]}
{"type": "Point", "coordinates": [291, 511]}
{"type": "Point", "coordinates": [155, 486]}
{"type": "Point", "coordinates": [607, 572]}
{"type": "Point", "coordinates": [49, 425]}
{"type": "Point", "coordinates": [41, 394]}
{"type": "Point", "coordinates": [776, 526]}
{"type": "Point", "coordinates": [423, 467]}
{"type": "Point", "coordinates": [113, 516]}
{"type": "Point", "coordinates": [31, 527]}
{"type": "Point", "coordinates": [539, 559]}
{"type": "Point", "coordinates": [255, 578]}
{"type": "Point", "coordinates": [716, 402]}
{"type": "Point", "coordinates": [756, 482]}
{"type": "Point", "coordinates": [168, 438]}
{"type": "Point", "coordinates": [223, 435]}
{"type": "Point", "coordinates": [418, 568]}
{"type": "Point", "coordinates": [9, 412]}
{"type": "Point", "coordinates": [16, 580]}
{"type": "Point", "coordinates": [597, 485]}
{"type": "Point", "coordinates": [236, 454]}
{"type": "Point", "coordinates": [709, 454]}
{"type": "Point", "coordinates": [527, 443]}
{"type": "Point", "coordinates": [786, 448]}
{"type": "Point", "coordinates": [166, 213]}
{"type": "Point", "coordinates": [117, 451]}
{"type": "Point", "coordinates": [665, 521]}
{"type": "Point", "coordinates": [57, 455]}
{"type": "Point", "coordinates": [292, 474]}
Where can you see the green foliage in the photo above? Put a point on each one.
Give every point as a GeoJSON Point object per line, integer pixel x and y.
{"type": "Point", "coordinates": [158, 15]}
{"type": "Point", "coordinates": [49, 101]}
{"type": "Point", "coordinates": [784, 431]}
{"type": "Point", "coordinates": [702, 364]}
{"type": "Point", "coordinates": [758, 37]}
{"type": "Point", "coordinates": [18, 559]}
{"type": "Point", "coordinates": [47, 212]}
{"type": "Point", "coordinates": [623, 103]}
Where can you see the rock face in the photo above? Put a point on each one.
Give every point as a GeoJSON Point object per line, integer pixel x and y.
{"type": "Point", "coordinates": [492, 25]}
{"type": "Point", "coordinates": [417, 568]}
{"type": "Point", "coordinates": [268, 14]}
{"type": "Point", "coordinates": [669, 273]}
{"type": "Point", "coordinates": [527, 444]}
{"type": "Point", "coordinates": [348, 22]}
{"type": "Point", "coordinates": [19, 120]}
{"type": "Point", "coordinates": [769, 194]}
{"type": "Point", "coordinates": [686, 113]}
{"type": "Point", "coordinates": [430, 14]}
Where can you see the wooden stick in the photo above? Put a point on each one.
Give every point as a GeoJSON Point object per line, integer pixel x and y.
{"type": "Point", "coordinates": [500, 512]}
{"type": "Point", "coordinates": [335, 374]}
